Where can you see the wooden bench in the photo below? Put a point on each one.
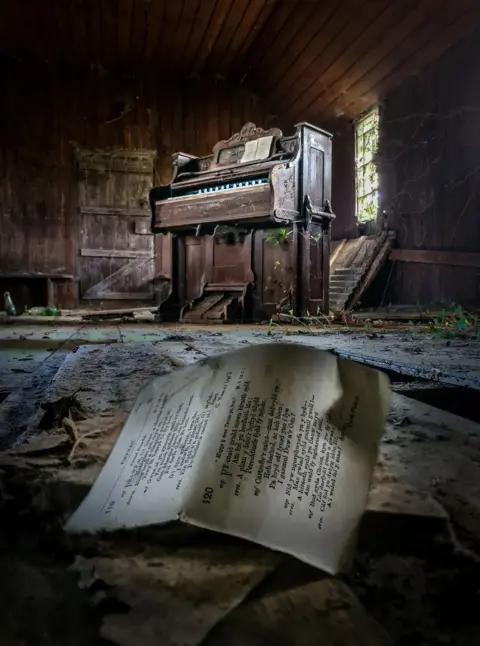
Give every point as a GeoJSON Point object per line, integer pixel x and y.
{"type": "Point", "coordinates": [50, 279]}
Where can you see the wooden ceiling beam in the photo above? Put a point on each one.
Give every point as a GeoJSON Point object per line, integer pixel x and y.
{"type": "Point", "coordinates": [355, 51]}
{"type": "Point", "coordinates": [444, 39]}
{"type": "Point", "coordinates": [266, 37]}
{"type": "Point", "coordinates": [217, 20]}
{"type": "Point", "coordinates": [255, 12]}
{"type": "Point", "coordinates": [203, 17]}
{"type": "Point", "coordinates": [225, 43]}
{"type": "Point", "coordinates": [435, 23]}
{"type": "Point", "coordinates": [275, 60]}
{"type": "Point", "coordinates": [315, 59]}
{"type": "Point", "coordinates": [184, 33]}
{"type": "Point", "coordinates": [322, 53]}
{"type": "Point", "coordinates": [392, 37]}
{"type": "Point", "coordinates": [257, 28]}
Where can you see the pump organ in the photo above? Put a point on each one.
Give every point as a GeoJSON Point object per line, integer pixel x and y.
{"type": "Point", "coordinates": [248, 227]}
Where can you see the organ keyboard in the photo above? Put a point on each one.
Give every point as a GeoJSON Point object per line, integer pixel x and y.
{"type": "Point", "coordinates": [220, 187]}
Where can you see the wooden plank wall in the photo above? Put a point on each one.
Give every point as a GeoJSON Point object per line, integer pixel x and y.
{"type": "Point", "coordinates": [343, 184]}
{"type": "Point", "coordinates": [430, 176]}
{"type": "Point", "coordinates": [46, 112]}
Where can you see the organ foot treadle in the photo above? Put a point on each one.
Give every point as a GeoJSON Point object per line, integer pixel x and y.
{"type": "Point", "coordinates": [221, 303]}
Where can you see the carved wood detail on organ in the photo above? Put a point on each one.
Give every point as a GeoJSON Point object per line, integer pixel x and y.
{"type": "Point", "coordinates": [249, 132]}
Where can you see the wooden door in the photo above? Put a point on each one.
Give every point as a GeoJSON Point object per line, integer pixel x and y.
{"type": "Point", "coordinates": [117, 251]}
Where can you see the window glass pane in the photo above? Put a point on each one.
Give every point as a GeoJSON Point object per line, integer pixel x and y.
{"type": "Point", "coordinates": [366, 144]}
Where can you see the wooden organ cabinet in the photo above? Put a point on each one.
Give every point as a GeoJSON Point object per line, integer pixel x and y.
{"type": "Point", "coordinates": [247, 228]}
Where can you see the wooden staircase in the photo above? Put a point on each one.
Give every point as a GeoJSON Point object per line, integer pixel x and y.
{"type": "Point", "coordinates": [343, 282]}
{"type": "Point", "coordinates": [353, 266]}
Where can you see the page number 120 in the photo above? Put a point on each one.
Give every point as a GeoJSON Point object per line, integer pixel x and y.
{"type": "Point", "coordinates": [207, 495]}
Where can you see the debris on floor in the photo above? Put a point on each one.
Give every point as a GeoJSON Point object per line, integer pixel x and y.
{"type": "Point", "coordinates": [173, 596]}
{"type": "Point", "coordinates": [416, 572]}
{"type": "Point", "coordinates": [49, 315]}
{"type": "Point", "coordinates": [189, 586]}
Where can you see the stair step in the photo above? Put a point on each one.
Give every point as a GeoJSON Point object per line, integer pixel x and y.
{"type": "Point", "coordinates": [340, 292]}
{"type": "Point", "coordinates": [346, 270]}
{"type": "Point", "coordinates": [345, 277]}
{"type": "Point", "coordinates": [343, 284]}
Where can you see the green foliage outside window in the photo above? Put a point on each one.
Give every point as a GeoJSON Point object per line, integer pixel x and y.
{"type": "Point", "coordinates": [366, 145]}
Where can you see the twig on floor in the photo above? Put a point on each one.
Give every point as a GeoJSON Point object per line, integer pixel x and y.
{"type": "Point", "coordinates": [80, 439]}
{"type": "Point", "coordinates": [70, 429]}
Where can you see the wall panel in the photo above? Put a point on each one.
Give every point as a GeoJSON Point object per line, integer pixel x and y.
{"type": "Point", "coordinates": [46, 112]}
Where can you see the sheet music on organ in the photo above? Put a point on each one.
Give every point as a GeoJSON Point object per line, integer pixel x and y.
{"type": "Point", "coordinates": [257, 149]}
{"type": "Point", "coordinates": [274, 443]}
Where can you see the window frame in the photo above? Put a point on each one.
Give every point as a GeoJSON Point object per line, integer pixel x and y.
{"type": "Point", "coordinates": [366, 175]}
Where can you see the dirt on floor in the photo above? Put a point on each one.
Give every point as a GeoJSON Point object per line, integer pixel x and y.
{"type": "Point", "coordinates": [429, 600]}
{"type": "Point", "coordinates": [417, 582]}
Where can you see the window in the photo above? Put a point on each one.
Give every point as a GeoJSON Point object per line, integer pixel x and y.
{"type": "Point", "coordinates": [366, 144]}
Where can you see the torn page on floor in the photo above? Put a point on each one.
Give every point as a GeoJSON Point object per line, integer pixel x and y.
{"type": "Point", "coordinates": [274, 443]}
